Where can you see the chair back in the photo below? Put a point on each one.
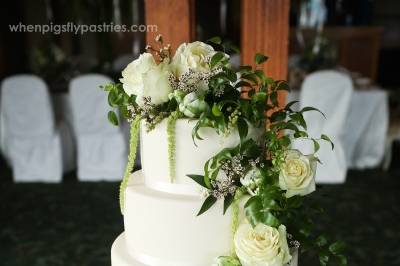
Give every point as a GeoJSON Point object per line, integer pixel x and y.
{"type": "Point", "coordinates": [89, 105]}
{"type": "Point", "coordinates": [26, 108]}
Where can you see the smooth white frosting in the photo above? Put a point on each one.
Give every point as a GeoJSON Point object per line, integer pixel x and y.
{"type": "Point", "coordinates": [190, 159]}
{"type": "Point", "coordinates": [164, 226]}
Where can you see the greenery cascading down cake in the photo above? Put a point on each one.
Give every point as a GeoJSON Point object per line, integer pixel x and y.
{"type": "Point", "coordinates": [219, 183]}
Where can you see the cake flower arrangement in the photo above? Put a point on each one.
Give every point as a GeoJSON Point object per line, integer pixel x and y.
{"type": "Point", "coordinates": [261, 177]}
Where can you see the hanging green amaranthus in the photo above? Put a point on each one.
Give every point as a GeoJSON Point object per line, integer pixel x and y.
{"type": "Point", "coordinates": [133, 143]}
{"type": "Point", "coordinates": [171, 132]}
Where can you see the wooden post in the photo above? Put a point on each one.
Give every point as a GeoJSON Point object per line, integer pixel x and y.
{"type": "Point", "coordinates": [175, 20]}
{"type": "Point", "coordinates": [265, 29]}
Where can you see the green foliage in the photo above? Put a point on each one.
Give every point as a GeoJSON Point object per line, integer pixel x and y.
{"type": "Point", "coordinates": [134, 137]}
{"type": "Point", "coordinates": [260, 58]}
{"type": "Point", "coordinates": [208, 203]}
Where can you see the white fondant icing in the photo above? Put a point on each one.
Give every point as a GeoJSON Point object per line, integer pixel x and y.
{"type": "Point", "coordinates": [190, 159]}
{"type": "Point", "coordinates": [164, 226]}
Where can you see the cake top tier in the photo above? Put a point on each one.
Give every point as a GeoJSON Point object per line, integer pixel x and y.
{"type": "Point", "coordinates": [162, 173]}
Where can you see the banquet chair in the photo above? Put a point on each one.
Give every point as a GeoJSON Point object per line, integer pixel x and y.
{"type": "Point", "coordinates": [330, 92]}
{"type": "Point", "coordinates": [101, 147]}
{"type": "Point", "coordinates": [30, 141]}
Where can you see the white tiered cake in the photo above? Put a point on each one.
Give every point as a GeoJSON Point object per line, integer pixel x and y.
{"type": "Point", "coordinates": [161, 226]}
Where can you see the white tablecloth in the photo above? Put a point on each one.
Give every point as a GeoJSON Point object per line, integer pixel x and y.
{"type": "Point", "coordinates": [366, 127]}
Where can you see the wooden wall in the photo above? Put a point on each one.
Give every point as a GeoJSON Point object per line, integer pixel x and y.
{"type": "Point", "coordinates": [265, 29]}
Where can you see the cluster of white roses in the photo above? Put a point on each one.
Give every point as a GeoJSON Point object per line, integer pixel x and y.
{"type": "Point", "coordinates": [151, 82]}
{"type": "Point", "coordinates": [264, 245]}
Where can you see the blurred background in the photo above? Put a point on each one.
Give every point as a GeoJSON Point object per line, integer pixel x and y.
{"type": "Point", "coordinates": [61, 161]}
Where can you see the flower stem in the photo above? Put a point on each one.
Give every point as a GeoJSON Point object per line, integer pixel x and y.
{"type": "Point", "coordinates": [133, 142]}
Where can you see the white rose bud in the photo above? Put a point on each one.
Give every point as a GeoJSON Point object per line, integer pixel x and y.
{"type": "Point", "coordinates": [297, 174]}
{"type": "Point", "coordinates": [261, 246]}
{"type": "Point", "coordinates": [251, 180]}
{"type": "Point", "coordinates": [144, 78]}
{"type": "Point", "coordinates": [192, 106]}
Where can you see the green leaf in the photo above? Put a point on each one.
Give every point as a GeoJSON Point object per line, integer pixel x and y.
{"type": "Point", "coordinates": [260, 58]}
{"type": "Point", "coordinates": [215, 39]}
{"type": "Point", "coordinates": [287, 107]}
{"type": "Point", "coordinates": [112, 117]}
{"type": "Point", "coordinates": [228, 200]}
{"type": "Point", "coordinates": [245, 69]}
{"type": "Point", "coordinates": [243, 128]}
{"type": "Point", "coordinates": [316, 145]}
{"type": "Point", "coordinates": [208, 203]}
{"type": "Point", "coordinates": [326, 138]}
{"type": "Point", "coordinates": [342, 260]}
{"type": "Point", "coordinates": [278, 116]}
{"type": "Point", "coordinates": [243, 83]}
{"type": "Point", "coordinates": [323, 258]}
{"type": "Point", "coordinates": [199, 179]}
{"type": "Point", "coordinates": [321, 241]}
{"type": "Point", "coordinates": [337, 248]}
{"type": "Point", "coordinates": [256, 213]}
{"type": "Point", "coordinates": [217, 58]}
{"type": "Point", "coordinates": [309, 108]}
{"type": "Point", "coordinates": [216, 110]}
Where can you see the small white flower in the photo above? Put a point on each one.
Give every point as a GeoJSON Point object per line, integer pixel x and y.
{"type": "Point", "coordinates": [297, 174]}
{"type": "Point", "coordinates": [261, 246]}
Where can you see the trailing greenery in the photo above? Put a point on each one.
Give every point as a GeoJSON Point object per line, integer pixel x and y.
{"type": "Point", "coordinates": [133, 143]}
{"type": "Point", "coordinates": [171, 128]}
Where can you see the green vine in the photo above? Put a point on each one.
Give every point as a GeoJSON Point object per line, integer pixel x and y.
{"type": "Point", "coordinates": [235, 217]}
{"type": "Point", "coordinates": [133, 142]}
{"type": "Point", "coordinates": [171, 132]}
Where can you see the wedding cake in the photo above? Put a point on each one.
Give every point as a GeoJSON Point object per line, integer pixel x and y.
{"type": "Point", "coordinates": [219, 183]}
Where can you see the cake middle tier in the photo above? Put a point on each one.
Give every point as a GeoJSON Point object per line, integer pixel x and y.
{"type": "Point", "coordinates": [189, 157]}
{"type": "Point", "coordinates": [163, 229]}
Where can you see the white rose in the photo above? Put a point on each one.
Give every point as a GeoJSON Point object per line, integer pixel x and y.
{"type": "Point", "coordinates": [261, 246]}
{"type": "Point", "coordinates": [132, 75]}
{"type": "Point", "coordinates": [194, 56]}
{"type": "Point", "coordinates": [144, 78]}
{"type": "Point", "coordinates": [297, 174]}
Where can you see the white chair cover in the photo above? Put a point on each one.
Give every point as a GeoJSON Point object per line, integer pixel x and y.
{"type": "Point", "coordinates": [331, 92]}
{"type": "Point", "coordinates": [30, 142]}
{"type": "Point", "coordinates": [102, 150]}
{"type": "Point", "coordinates": [365, 143]}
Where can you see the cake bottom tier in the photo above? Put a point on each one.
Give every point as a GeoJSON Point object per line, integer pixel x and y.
{"type": "Point", "coordinates": [120, 255]}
